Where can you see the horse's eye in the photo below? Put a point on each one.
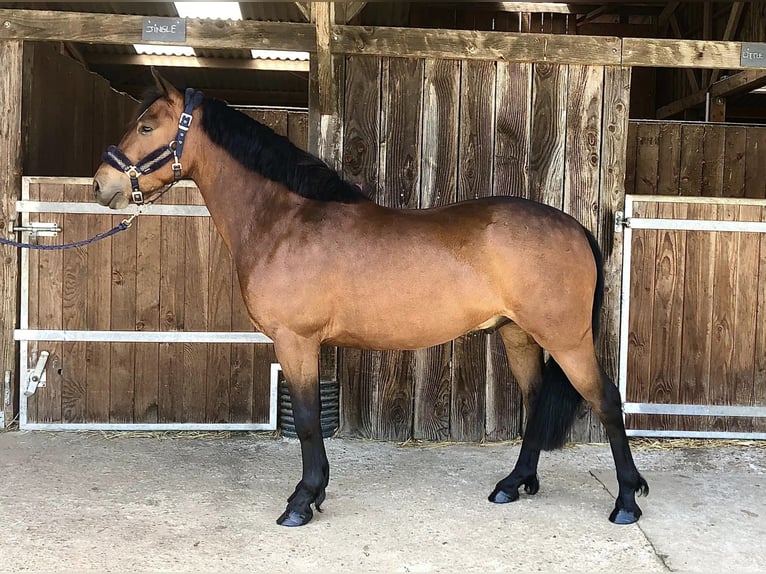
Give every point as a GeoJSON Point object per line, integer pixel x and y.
{"type": "Point", "coordinates": [144, 129]}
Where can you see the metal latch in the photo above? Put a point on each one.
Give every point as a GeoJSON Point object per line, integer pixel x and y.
{"type": "Point", "coordinates": [36, 376]}
{"type": "Point", "coordinates": [620, 221]}
{"type": "Point", "coordinates": [36, 229]}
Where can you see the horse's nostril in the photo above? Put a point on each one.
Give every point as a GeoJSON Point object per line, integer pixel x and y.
{"type": "Point", "coordinates": [95, 188]}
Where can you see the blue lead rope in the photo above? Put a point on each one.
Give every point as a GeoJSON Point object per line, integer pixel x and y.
{"type": "Point", "coordinates": [124, 224]}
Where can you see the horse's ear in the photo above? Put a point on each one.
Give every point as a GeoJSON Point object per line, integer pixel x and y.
{"type": "Point", "coordinates": [164, 87]}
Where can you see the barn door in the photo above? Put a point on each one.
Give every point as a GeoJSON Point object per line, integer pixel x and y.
{"type": "Point", "coordinates": [142, 331]}
{"type": "Point", "coordinates": [693, 333]}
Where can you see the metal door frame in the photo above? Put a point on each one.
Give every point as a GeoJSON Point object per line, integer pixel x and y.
{"type": "Point", "coordinates": [24, 334]}
{"type": "Point", "coordinates": [629, 223]}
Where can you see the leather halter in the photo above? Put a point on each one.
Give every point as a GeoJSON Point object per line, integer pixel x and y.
{"type": "Point", "coordinates": [162, 155]}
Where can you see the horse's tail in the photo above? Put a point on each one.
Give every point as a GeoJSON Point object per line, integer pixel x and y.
{"type": "Point", "coordinates": [557, 402]}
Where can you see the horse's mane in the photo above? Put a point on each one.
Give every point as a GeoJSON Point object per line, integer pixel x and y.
{"type": "Point", "coordinates": [260, 149]}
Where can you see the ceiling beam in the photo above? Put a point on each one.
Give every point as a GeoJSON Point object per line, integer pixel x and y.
{"type": "Point", "coordinates": [383, 41]}
{"type": "Point", "coordinates": [351, 10]}
{"type": "Point", "coordinates": [197, 62]}
{"type": "Point", "coordinates": [678, 106]}
{"type": "Point", "coordinates": [732, 24]}
{"type": "Point", "coordinates": [324, 12]}
{"type": "Point", "coordinates": [690, 75]}
{"type": "Point", "coordinates": [745, 81]}
{"type": "Point", "coordinates": [549, 7]}
{"type": "Point", "coordinates": [305, 9]}
{"type": "Point", "coordinates": [664, 18]}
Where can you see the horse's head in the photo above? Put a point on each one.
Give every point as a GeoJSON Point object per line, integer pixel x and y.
{"type": "Point", "coordinates": [149, 155]}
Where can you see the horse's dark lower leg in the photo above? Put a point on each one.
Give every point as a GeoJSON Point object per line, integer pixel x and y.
{"type": "Point", "coordinates": [300, 367]}
{"type": "Point", "coordinates": [604, 398]}
{"type": "Point", "coordinates": [525, 358]}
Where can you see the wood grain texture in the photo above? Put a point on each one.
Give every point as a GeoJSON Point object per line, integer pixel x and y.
{"type": "Point", "coordinates": [441, 96]}
{"type": "Point", "coordinates": [647, 158]}
{"type": "Point", "coordinates": [668, 160]}
{"type": "Point", "coordinates": [513, 117]}
{"type": "Point", "coordinates": [357, 369]}
{"type": "Point", "coordinates": [475, 166]}
{"type": "Point", "coordinates": [759, 366]}
{"type": "Point", "coordinates": [734, 162]}
{"type": "Point", "coordinates": [712, 161]}
{"type": "Point", "coordinates": [549, 105]}
{"type": "Point", "coordinates": [74, 299]}
{"type": "Point", "coordinates": [691, 160]}
{"type": "Point", "coordinates": [11, 62]}
{"type": "Point", "coordinates": [755, 174]}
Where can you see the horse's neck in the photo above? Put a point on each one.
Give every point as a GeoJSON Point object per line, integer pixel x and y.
{"type": "Point", "coordinates": [241, 202]}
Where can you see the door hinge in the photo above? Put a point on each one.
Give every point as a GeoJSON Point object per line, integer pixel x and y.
{"type": "Point", "coordinates": [36, 377]}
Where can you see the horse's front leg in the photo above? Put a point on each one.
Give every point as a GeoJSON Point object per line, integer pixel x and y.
{"type": "Point", "coordinates": [299, 359]}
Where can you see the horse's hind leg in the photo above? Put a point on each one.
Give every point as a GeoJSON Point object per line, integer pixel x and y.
{"type": "Point", "coordinates": [590, 380]}
{"type": "Point", "coordinates": [299, 359]}
{"type": "Point", "coordinates": [525, 358]}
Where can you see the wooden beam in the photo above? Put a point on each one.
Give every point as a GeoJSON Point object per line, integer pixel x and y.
{"type": "Point", "coordinates": [234, 97]}
{"type": "Point", "coordinates": [717, 109]}
{"type": "Point", "coordinates": [690, 75]}
{"type": "Point", "coordinates": [476, 45]}
{"type": "Point", "coordinates": [664, 18]}
{"type": "Point", "coordinates": [744, 81]}
{"type": "Point", "coordinates": [732, 24]}
{"type": "Point", "coordinates": [325, 15]}
{"type": "Point", "coordinates": [197, 62]}
{"type": "Point", "coordinates": [351, 10]}
{"type": "Point", "coordinates": [678, 106]}
{"type": "Point", "coordinates": [121, 29]}
{"type": "Point", "coordinates": [11, 158]}
{"type": "Point", "coordinates": [549, 7]}
{"type": "Point", "coordinates": [592, 15]}
{"type": "Point", "coordinates": [304, 9]}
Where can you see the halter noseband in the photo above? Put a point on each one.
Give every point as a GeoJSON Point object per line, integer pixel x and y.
{"type": "Point", "coordinates": [162, 155]}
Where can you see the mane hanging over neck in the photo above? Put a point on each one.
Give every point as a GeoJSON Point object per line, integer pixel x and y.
{"type": "Point", "coordinates": [260, 149]}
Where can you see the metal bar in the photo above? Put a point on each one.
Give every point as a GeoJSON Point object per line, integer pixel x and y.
{"type": "Point", "coordinates": [696, 434]}
{"type": "Point", "coordinates": [622, 375]}
{"type": "Point", "coordinates": [694, 410]}
{"type": "Point", "coordinates": [697, 225]}
{"type": "Point", "coordinates": [146, 426]}
{"type": "Point", "coordinates": [139, 336]}
{"type": "Point", "coordinates": [695, 199]}
{"type": "Point", "coordinates": [25, 206]}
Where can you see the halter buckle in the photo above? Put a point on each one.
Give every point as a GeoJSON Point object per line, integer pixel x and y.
{"type": "Point", "coordinates": [176, 169]}
{"type": "Point", "coordinates": [138, 197]}
{"type": "Point", "coordinates": [184, 121]}
{"type": "Point", "coordinates": [132, 171]}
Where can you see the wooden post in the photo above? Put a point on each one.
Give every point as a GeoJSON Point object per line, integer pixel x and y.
{"type": "Point", "coordinates": [11, 60]}
{"type": "Point", "coordinates": [717, 110]}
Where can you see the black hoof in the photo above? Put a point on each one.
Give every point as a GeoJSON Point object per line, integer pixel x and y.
{"type": "Point", "coordinates": [502, 497]}
{"type": "Point", "coordinates": [623, 516]}
{"type": "Point", "coordinates": [293, 518]}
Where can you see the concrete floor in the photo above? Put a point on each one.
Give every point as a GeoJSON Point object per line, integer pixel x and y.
{"type": "Point", "coordinates": [93, 502]}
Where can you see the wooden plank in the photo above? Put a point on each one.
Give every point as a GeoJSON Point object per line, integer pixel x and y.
{"type": "Point", "coordinates": [582, 171]}
{"type": "Point", "coordinates": [663, 53]}
{"type": "Point", "coordinates": [324, 13]}
{"type": "Point", "coordinates": [669, 159]}
{"type": "Point", "coordinates": [196, 287]}
{"type": "Point", "coordinates": [478, 45]}
{"type": "Point", "coordinates": [360, 165]}
{"type": "Point", "coordinates": [476, 148]}
{"type": "Point", "coordinates": [49, 290]}
{"type": "Point", "coordinates": [665, 351]}
{"type": "Point", "coordinates": [615, 139]}
{"type": "Point", "coordinates": [400, 160]}
{"type": "Point", "coordinates": [696, 331]}
{"type": "Point", "coordinates": [690, 74]}
{"type": "Point", "coordinates": [11, 62]}
{"type": "Point", "coordinates": [172, 311]}
{"type": "Point", "coordinates": [123, 309]}
{"type": "Point", "coordinates": [678, 106]}
{"type": "Point", "coordinates": [219, 309]}
{"type": "Point", "coordinates": [630, 157]}
{"type": "Point", "coordinates": [197, 62]}
{"type": "Point", "coordinates": [724, 337]}
{"type": "Point", "coordinates": [122, 29]}
{"type": "Point", "coordinates": [148, 271]}
{"type": "Point", "coordinates": [734, 162]}
{"type": "Point", "coordinates": [713, 161]}
{"type": "Point", "coordinates": [744, 81]}
{"type": "Point", "coordinates": [692, 159]}
{"type": "Point", "coordinates": [746, 264]}
{"type": "Point", "coordinates": [755, 166]}
{"type": "Point", "coordinates": [441, 97]}
{"type": "Point", "coordinates": [647, 159]}
{"type": "Point", "coordinates": [759, 366]}
{"type": "Point", "coordinates": [99, 318]}
{"type": "Point", "coordinates": [297, 128]}
{"type": "Point", "coordinates": [546, 162]}
{"type": "Point", "coordinates": [242, 358]}
{"type": "Point", "coordinates": [74, 305]}
{"type": "Point", "coordinates": [512, 140]}
{"type": "Point", "coordinates": [642, 283]}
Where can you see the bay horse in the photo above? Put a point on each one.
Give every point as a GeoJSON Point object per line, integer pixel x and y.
{"type": "Point", "coordinates": [320, 263]}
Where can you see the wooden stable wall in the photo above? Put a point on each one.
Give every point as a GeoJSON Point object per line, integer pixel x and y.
{"type": "Point", "coordinates": [70, 115]}
{"type": "Point", "coordinates": [421, 133]}
{"type": "Point", "coordinates": [698, 301]}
